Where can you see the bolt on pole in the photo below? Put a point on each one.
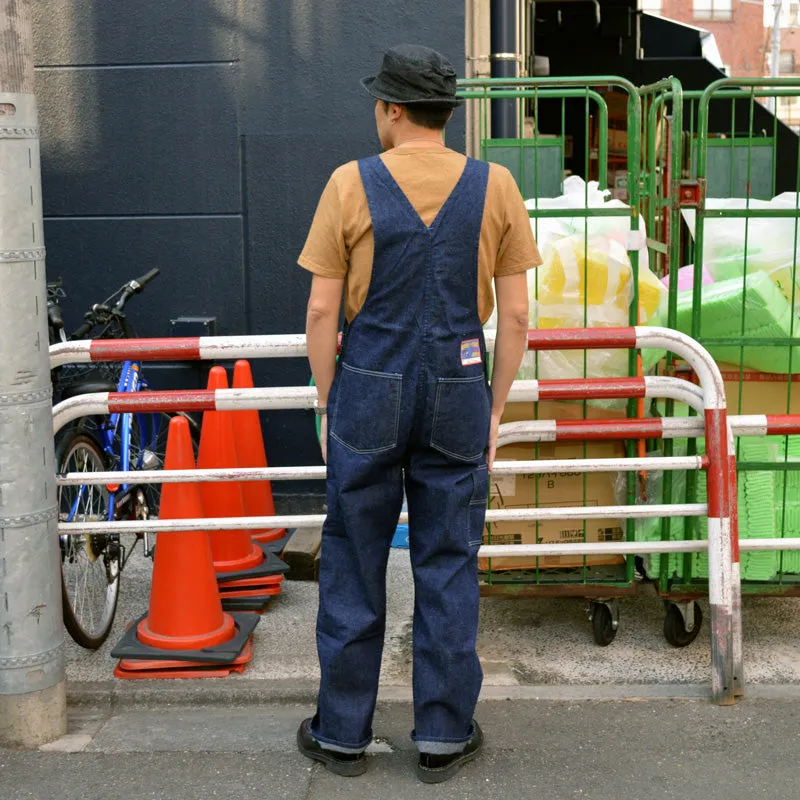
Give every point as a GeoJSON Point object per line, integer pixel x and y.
{"type": "Point", "coordinates": [32, 685]}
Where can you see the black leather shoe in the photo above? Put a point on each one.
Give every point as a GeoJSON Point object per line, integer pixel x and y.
{"type": "Point", "coordinates": [348, 765]}
{"type": "Point", "coordinates": [436, 768]}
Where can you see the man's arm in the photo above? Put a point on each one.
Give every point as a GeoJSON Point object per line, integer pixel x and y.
{"type": "Point", "coordinates": [510, 346]}
{"type": "Point", "coordinates": [322, 335]}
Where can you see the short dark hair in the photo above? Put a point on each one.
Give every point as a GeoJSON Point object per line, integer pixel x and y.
{"type": "Point", "coordinates": [433, 116]}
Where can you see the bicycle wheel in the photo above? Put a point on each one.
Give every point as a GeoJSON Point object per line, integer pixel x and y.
{"type": "Point", "coordinates": [90, 563]}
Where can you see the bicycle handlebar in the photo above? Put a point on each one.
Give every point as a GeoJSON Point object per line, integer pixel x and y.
{"type": "Point", "coordinates": [145, 279]}
{"type": "Point", "coordinates": [83, 330]}
{"type": "Point", "coordinates": [134, 287]}
{"type": "Point", "coordinates": [54, 315]}
{"type": "Point", "coordinates": [101, 310]}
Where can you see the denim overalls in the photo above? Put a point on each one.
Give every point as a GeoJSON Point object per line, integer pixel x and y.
{"type": "Point", "coordinates": [410, 403]}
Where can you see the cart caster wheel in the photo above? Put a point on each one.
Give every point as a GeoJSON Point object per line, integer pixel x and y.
{"type": "Point", "coordinates": [675, 627]}
{"type": "Point", "coordinates": [603, 626]}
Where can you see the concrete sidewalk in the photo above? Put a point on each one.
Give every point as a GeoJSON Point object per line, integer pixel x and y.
{"type": "Point", "coordinates": [686, 750]}
{"type": "Point", "coordinates": [522, 642]}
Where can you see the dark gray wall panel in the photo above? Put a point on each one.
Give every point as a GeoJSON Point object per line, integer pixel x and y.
{"type": "Point", "coordinates": [304, 59]}
{"type": "Point", "coordinates": [200, 262]}
{"type": "Point", "coordinates": [142, 31]}
{"type": "Point", "coordinates": [143, 141]}
{"type": "Point", "coordinates": [162, 140]}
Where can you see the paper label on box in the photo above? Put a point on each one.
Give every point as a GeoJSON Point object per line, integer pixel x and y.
{"type": "Point", "coordinates": [504, 486]}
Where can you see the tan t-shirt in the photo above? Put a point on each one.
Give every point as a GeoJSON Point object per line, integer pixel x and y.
{"type": "Point", "coordinates": [340, 243]}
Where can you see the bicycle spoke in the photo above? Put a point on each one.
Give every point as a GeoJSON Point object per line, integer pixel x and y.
{"type": "Point", "coordinates": [87, 565]}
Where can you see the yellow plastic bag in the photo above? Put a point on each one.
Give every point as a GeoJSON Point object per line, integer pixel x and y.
{"type": "Point", "coordinates": [588, 284]}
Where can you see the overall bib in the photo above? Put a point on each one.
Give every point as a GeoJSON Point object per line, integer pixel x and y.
{"type": "Point", "coordinates": [410, 405]}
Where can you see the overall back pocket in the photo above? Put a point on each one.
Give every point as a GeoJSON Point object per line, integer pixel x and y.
{"type": "Point", "coordinates": [367, 412]}
{"type": "Point", "coordinates": [461, 417]}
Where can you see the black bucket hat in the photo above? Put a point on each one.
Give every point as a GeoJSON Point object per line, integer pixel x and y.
{"type": "Point", "coordinates": [414, 75]}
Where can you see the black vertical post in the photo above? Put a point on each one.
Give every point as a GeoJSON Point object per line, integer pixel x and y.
{"type": "Point", "coordinates": [505, 64]}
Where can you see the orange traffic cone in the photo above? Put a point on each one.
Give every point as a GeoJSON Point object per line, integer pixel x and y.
{"type": "Point", "coordinates": [233, 551]}
{"type": "Point", "coordinates": [185, 629]}
{"type": "Point", "coordinates": [236, 556]}
{"type": "Point", "coordinates": [250, 452]}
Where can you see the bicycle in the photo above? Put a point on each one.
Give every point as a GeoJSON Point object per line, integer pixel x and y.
{"type": "Point", "coordinates": [91, 565]}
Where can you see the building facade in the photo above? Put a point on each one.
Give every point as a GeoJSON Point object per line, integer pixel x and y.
{"type": "Point", "coordinates": [738, 28]}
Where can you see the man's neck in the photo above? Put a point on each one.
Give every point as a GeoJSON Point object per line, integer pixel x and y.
{"type": "Point", "coordinates": [418, 137]}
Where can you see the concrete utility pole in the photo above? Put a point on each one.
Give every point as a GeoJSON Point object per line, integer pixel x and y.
{"type": "Point", "coordinates": [32, 688]}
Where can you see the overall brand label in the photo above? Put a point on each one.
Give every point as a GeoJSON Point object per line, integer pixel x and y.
{"type": "Point", "coordinates": [470, 352]}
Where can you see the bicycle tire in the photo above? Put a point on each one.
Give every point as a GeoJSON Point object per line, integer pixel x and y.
{"type": "Point", "coordinates": [98, 555]}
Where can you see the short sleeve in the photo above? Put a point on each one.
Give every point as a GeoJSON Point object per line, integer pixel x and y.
{"type": "Point", "coordinates": [517, 251]}
{"type": "Point", "coordinates": [324, 252]}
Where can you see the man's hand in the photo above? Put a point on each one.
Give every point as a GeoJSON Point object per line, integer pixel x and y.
{"type": "Point", "coordinates": [492, 450]}
{"type": "Point", "coordinates": [323, 437]}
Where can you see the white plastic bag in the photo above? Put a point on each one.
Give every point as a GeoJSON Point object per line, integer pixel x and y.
{"type": "Point", "coordinates": [578, 194]}
{"type": "Point", "coordinates": [586, 281]}
{"type": "Point", "coordinates": [770, 244]}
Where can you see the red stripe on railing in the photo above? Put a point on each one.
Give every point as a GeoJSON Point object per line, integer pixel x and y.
{"type": "Point", "coordinates": [581, 338]}
{"type": "Point", "coordinates": [783, 423]}
{"type": "Point", "coordinates": [177, 349]}
{"type": "Point", "coordinates": [600, 429]}
{"type": "Point", "coordinates": [733, 494]}
{"type": "Point", "coordinates": [197, 400]}
{"type": "Point", "coordinates": [584, 388]}
{"type": "Point", "coordinates": [717, 450]}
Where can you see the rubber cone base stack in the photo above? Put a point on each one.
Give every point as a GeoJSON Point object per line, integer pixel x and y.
{"type": "Point", "coordinates": [130, 648]}
{"type": "Point", "coordinates": [256, 605]}
{"type": "Point", "coordinates": [271, 565]}
{"type": "Point", "coordinates": [277, 545]}
{"type": "Point", "coordinates": [246, 591]}
{"type": "Point", "coordinates": [143, 669]}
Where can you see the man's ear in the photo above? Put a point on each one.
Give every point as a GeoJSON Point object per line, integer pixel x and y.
{"type": "Point", "coordinates": [395, 112]}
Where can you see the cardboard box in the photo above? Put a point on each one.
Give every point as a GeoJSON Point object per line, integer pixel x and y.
{"type": "Point", "coordinates": [554, 490]}
{"type": "Point", "coordinates": [761, 392]}
{"type": "Point", "coordinates": [617, 141]}
{"type": "Point", "coordinates": [618, 182]}
{"type": "Point", "coordinates": [561, 409]}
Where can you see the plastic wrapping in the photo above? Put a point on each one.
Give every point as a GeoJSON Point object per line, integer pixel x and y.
{"type": "Point", "coordinates": [768, 244]}
{"type": "Point", "coordinates": [579, 194]}
{"type": "Point", "coordinates": [757, 497]}
{"type": "Point", "coordinates": [586, 280]}
{"type": "Point", "coordinates": [751, 308]}
{"type": "Point", "coordinates": [650, 529]}
{"type": "Point", "coordinates": [587, 283]}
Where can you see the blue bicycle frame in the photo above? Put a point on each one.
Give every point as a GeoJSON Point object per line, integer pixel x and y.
{"type": "Point", "coordinates": [130, 380]}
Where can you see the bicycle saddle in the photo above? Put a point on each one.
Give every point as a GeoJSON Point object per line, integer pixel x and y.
{"type": "Point", "coordinates": [88, 387]}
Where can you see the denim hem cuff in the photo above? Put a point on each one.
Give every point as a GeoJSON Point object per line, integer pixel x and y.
{"type": "Point", "coordinates": [338, 747]}
{"type": "Point", "coordinates": [441, 748]}
{"type": "Point", "coordinates": [442, 745]}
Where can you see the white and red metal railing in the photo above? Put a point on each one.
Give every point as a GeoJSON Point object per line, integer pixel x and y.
{"type": "Point", "coordinates": [708, 398]}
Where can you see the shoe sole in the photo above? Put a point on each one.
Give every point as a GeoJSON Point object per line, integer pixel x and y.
{"type": "Point", "coordinates": [345, 769]}
{"type": "Point", "coordinates": [427, 775]}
